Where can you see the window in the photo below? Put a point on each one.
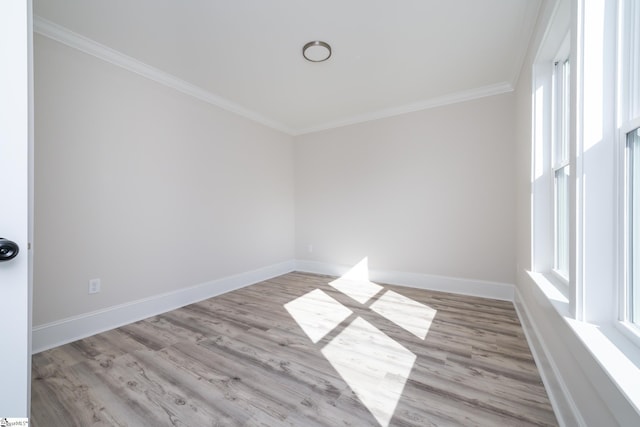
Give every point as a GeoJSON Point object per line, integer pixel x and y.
{"type": "Point", "coordinates": [585, 182]}
{"type": "Point", "coordinates": [633, 225]}
{"type": "Point", "coordinates": [552, 163]}
{"type": "Point", "coordinates": [561, 167]}
{"type": "Point", "coordinates": [629, 119]}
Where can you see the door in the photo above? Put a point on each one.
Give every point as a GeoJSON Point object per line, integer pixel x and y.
{"type": "Point", "coordinates": [15, 148]}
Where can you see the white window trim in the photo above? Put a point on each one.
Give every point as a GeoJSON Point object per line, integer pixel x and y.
{"type": "Point", "coordinates": [561, 129]}
{"type": "Point", "coordinates": [544, 198]}
{"type": "Point", "coordinates": [608, 339]}
{"type": "Point", "coordinates": [629, 329]}
{"type": "Point", "coordinates": [625, 124]}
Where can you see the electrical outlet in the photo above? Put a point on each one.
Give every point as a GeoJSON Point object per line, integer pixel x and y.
{"type": "Point", "coordinates": [94, 286]}
{"type": "Point", "coordinates": [310, 248]}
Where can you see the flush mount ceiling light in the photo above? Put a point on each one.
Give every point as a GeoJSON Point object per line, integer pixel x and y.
{"type": "Point", "coordinates": [316, 51]}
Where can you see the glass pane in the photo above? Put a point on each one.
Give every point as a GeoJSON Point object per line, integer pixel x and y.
{"type": "Point", "coordinates": [633, 144]}
{"type": "Point", "coordinates": [562, 221]}
{"type": "Point", "coordinates": [632, 52]}
{"type": "Point", "coordinates": [564, 137]}
{"type": "Point", "coordinates": [561, 113]}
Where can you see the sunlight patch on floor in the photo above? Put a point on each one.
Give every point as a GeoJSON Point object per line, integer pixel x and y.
{"type": "Point", "coordinates": [375, 366]}
{"type": "Point", "coordinates": [355, 283]}
{"type": "Point", "coordinates": [317, 313]}
{"type": "Point", "coordinates": [410, 315]}
{"type": "Point", "coordinates": [360, 290]}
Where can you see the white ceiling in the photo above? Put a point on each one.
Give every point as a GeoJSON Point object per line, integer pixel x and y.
{"type": "Point", "coordinates": [388, 56]}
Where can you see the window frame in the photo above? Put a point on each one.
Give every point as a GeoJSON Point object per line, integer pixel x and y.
{"type": "Point", "coordinates": [552, 90]}
{"type": "Point", "coordinates": [592, 303]}
{"type": "Point", "coordinates": [627, 325]}
{"type": "Point", "coordinates": [627, 81]}
{"type": "Point", "coordinates": [560, 158]}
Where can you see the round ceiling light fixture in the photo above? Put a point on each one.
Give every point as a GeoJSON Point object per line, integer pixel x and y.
{"type": "Point", "coordinates": [316, 51]}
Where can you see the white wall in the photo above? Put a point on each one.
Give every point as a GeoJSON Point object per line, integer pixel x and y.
{"type": "Point", "coordinates": [146, 188]}
{"type": "Point", "coordinates": [429, 192]}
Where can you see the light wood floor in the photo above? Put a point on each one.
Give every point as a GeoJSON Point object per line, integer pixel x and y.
{"type": "Point", "coordinates": [297, 351]}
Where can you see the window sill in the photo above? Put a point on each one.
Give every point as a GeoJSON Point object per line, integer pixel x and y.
{"type": "Point", "coordinates": [615, 353]}
{"type": "Point", "coordinates": [554, 290]}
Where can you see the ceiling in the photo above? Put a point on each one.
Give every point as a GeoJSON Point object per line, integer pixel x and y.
{"type": "Point", "coordinates": [389, 57]}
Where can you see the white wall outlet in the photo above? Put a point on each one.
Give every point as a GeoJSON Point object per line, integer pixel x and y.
{"type": "Point", "coordinates": [310, 248]}
{"type": "Point", "coordinates": [94, 286]}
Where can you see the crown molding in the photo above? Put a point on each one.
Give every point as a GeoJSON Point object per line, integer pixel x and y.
{"type": "Point", "coordinates": [453, 98]}
{"type": "Point", "coordinates": [91, 47]}
{"type": "Point", "coordinates": [84, 44]}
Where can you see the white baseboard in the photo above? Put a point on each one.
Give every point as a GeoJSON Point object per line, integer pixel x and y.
{"type": "Point", "coordinates": [68, 330]}
{"type": "Point", "coordinates": [478, 288]}
{"type": "Point", "coordinates": [73, 328]}
{"type": "Point", "coordinates": [563, 404]}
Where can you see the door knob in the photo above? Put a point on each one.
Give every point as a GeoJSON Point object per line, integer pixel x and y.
{"type": "Point", "coordinates": [8, 249]}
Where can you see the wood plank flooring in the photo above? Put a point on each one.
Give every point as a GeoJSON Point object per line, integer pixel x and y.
{"type": "Point", "coordinates": [297, 351]}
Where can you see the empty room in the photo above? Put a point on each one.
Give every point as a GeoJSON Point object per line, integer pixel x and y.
{"type": "Point", "coordinates": [339, 213]}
